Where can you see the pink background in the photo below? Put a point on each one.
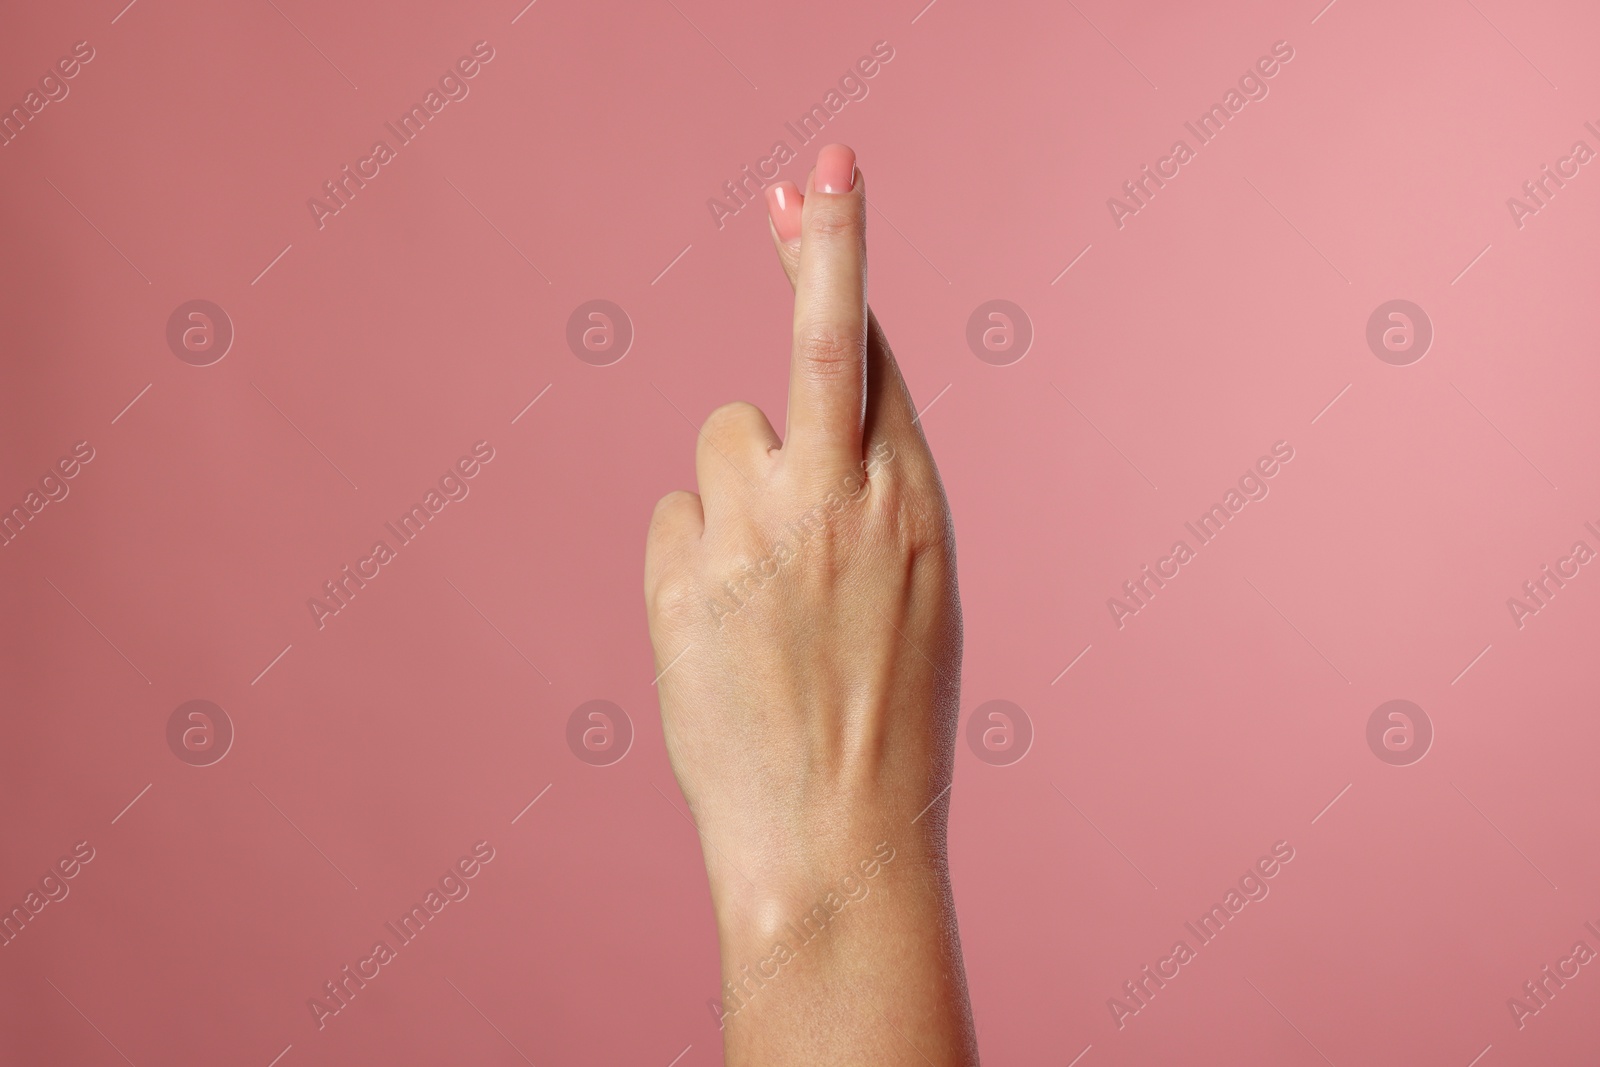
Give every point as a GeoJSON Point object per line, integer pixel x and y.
{"type": "Point", "coordinates": [373, 352]}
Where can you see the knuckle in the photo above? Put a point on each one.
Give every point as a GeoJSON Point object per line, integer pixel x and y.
{"type": "Point", "coordinates": [666, 502]}
{"type": "Point", "coordinates": [735, 413]}
{"type": "Point", "coordinates": [665, 506]}
{"type": "Point", "coordinates": [668, 515]}
{"type": "Point", "coordinates": [835, 223]}
{"type": "Point", "coordinates": [669, 578]}
{"type": "Point", "coordinates": [917, 515]}
{"type": "Point", "coordinates": [832, 351]}
{"type": "Point", "coordinates": [673, 596]}
{"type": "Point", "coordinates": [926, 526]}
{"type": "Point", "coordinates": [730, 422]}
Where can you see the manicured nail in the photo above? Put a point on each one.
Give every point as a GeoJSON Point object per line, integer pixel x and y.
{"type": "Point", "coordinates": [783, 204]}
{"type": "Point", "coordinates": [836, 169]}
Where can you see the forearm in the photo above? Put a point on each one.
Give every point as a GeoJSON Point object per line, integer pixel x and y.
{"type": "Point", "coordinates": [858, 961]}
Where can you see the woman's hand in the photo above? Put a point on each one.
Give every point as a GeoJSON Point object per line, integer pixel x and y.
{"type": "Point", "coordinates": [805, 619]}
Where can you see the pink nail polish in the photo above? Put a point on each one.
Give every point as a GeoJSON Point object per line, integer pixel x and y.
{"type": "Point", "coordinates": [836, 169]}
{"type": "Point", "coordinates": [784, 203]}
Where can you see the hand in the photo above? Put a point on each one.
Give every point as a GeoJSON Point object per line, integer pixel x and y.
{"type": "Point", "coordinates": [804, 613]}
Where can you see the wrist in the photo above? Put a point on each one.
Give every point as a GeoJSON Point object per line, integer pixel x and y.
{"type": "Point", "coordinates": [876, 929]}
{"type": "Point", "coordinates": [812, 909]}
{"type": "Point", "coordinates": [767, 870]}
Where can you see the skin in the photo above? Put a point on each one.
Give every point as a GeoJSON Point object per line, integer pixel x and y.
{"type": "Point", "coordinates": [805, 600]}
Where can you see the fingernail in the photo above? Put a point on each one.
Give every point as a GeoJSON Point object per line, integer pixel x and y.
{"type": "Point", "coordinates": [783, 204]}
{"type": "Point", "coordinates": [836, 169]}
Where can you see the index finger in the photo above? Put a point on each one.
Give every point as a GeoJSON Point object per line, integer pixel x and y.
{"type": "Point", "coordinates": [828, 367]}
